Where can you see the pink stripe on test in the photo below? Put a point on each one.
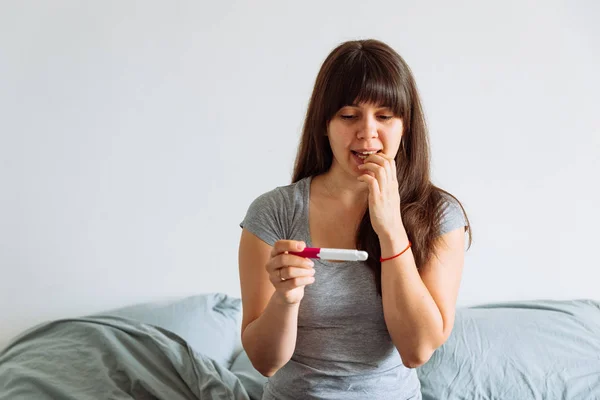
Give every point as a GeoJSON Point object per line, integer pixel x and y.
{"type": "Point", "coordinates": [309, 252]}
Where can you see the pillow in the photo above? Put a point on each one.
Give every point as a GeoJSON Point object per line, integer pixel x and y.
{"type": "Point", "coordinates": [252, 380]}
{"type": "Point", "coordinates": [520, 350]}
{"type": "Point", "coordinates": [210, 323]}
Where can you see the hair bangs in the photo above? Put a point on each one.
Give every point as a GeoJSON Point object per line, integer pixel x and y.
{"type": "Point", "coordinates": [365, 79]}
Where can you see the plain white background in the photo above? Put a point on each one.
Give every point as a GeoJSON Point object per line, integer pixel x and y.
{"type": "Point", "coordinates": [134, 135]}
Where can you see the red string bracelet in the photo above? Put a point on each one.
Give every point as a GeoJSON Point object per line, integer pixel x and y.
{"type": "Point", "coordinates": [381, 259]}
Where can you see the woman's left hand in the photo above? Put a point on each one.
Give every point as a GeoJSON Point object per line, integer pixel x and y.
{"type": "Point", "coordinates": [379, 173]}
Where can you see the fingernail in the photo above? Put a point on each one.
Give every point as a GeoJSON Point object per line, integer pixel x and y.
{"type": "Point", "coordinates": [300, 245]}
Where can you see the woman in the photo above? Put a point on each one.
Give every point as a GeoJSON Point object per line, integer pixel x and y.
{"type": "Point", "coordinates": [353, 330]}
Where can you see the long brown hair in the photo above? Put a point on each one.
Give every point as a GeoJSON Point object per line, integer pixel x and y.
{"type": "Point", "coordinates": [371, 71]}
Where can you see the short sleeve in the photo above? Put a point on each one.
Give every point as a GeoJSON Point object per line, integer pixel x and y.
{"type": "Point", "coordinates": [266, 217]}
{"type": "Point", "coordinates": [453, 216]}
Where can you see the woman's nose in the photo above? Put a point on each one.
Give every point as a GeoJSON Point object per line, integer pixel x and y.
{"type": "Point", "coordinates": [368, 128]}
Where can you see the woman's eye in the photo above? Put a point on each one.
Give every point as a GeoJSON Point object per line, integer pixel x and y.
{"type": "Point", "coordinates": [386, 117]}
{"type": "Point", "coordinates": [347, 116]}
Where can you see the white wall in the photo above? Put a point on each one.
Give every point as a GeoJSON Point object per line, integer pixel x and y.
{"type": "Point", "coordinates": [134, 135]}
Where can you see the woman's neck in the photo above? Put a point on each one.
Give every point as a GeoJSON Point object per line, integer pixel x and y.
{"type": "Point", "coordinates": [343, 188]}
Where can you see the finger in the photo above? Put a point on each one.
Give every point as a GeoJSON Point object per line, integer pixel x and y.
{"type": "Point", "coordinates": [290, 260]}
{"type": "Point", "coordinates": [294, 272]}
{"type": "Point", "coordinates": [386, 162]}
{"type": "Point", "coordinates": [374, 190]}
{"type": "Point", "coordinates": [391, 167]}
{"type": "Point", "coordinates": [378, 171]}
{"type": "Point", "coordinates": [281, 246]}
{"type": "Point", "coordinates": [296, 282]}
{"type": "Point", "coordinates": [377, 158]}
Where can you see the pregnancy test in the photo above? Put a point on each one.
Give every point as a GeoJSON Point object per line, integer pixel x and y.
{"type": "Point", "coordinates": [332, 254]}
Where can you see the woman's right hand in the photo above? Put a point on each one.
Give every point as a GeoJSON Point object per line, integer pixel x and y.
{"type": "Point", "coordinates": [289, 273]}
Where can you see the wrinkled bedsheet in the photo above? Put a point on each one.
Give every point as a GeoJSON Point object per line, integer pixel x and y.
{"type": "Point", "coordinates": [110, 358]}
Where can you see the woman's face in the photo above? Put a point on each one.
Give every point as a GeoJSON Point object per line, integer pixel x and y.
{"type": "Point", "coordinates": [357, 130]}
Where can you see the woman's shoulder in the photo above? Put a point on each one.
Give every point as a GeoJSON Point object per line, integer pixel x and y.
{"type": "Point", "coordinates": [282, 197]}
{"type": "Point", "coordinates": [452, 214]}
{"type": "Point", "coordinates": [272, 215]}
{"type": "Point", "coordinates": [284, 193]}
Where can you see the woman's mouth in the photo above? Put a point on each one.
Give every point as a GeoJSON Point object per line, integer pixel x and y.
{"type": "Point", "coordinates": [361, 156]}
{"type": "Point", "coordinates": [364, 154]}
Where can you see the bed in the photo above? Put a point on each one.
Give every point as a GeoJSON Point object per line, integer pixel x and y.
{"type": "Point", "coordinates": [190, 349]}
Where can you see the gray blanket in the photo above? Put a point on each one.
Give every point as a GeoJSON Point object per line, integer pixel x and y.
{"type": "Point", "coordinates": [110, 358]}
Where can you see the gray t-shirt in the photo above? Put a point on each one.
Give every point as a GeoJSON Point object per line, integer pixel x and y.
{"type": "Point", "coordinates": [343, 348]}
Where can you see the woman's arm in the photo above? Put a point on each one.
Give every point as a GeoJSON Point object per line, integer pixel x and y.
{"type": "Point", "coordinates": [270, 305]}
{"type": "Point", "coordinates": [419, 308]}
{"type": "Point", "coordinates": [270, 339]}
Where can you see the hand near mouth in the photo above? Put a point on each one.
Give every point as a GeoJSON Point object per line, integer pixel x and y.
{"type": "Point", "coordinates": [384, 198]}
